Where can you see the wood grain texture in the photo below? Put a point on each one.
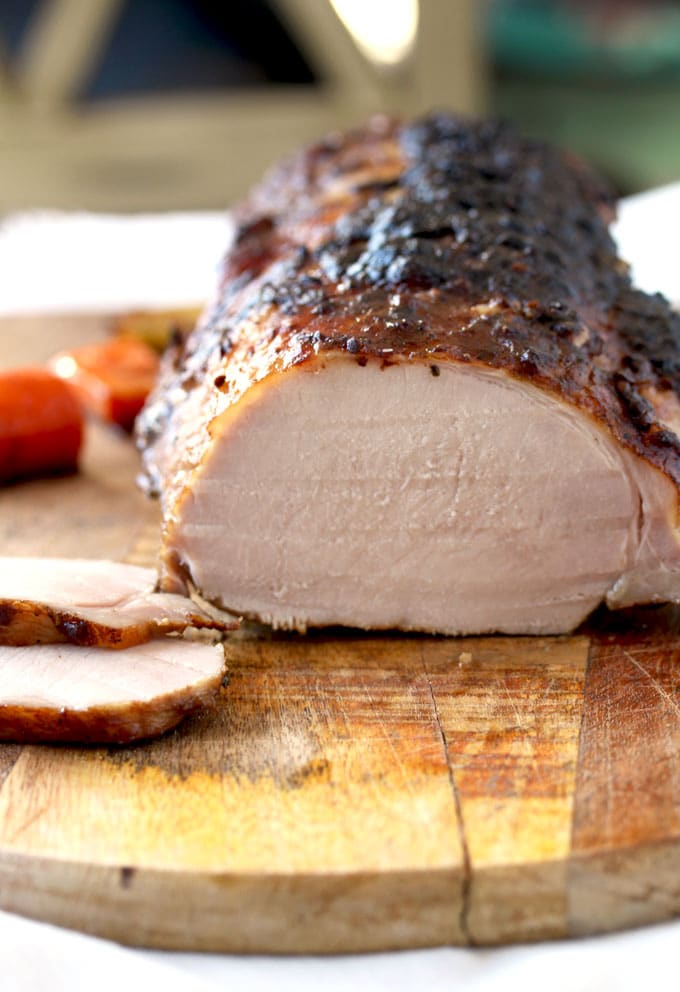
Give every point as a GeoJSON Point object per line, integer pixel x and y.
{"type": "Point", "coordinates": [350, 792]}
{"type": "Point", "coordinates": [8, 755]}
{"type": "Point", "coordinates": [511, 721]}
{"type": "Point", "coordinates": [626, 858]}
{"type": "Point", "coordinates": [347, 793]}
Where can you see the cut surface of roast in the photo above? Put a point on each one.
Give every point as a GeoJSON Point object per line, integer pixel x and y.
{"type": "Point", "coordinates": [462, 501]}
{"type": "Point", "coordinates": [89, 602]}
{"type": "Point", "coordinates": [62, 692]}
{"type": "Point", "coordinates": [426, 398]}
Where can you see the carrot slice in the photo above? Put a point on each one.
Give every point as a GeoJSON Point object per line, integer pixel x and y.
{"type": "Point", "coordinates": [41, 424]}
{"type": "Point", "coordinates": [112, 378]}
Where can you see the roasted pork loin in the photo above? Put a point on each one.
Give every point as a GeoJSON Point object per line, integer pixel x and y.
{"type": "Point", "coordinates": [426, 397]}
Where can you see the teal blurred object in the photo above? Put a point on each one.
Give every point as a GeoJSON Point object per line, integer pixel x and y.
{"type": "Point", "coordinates": [562, 39]}
{"type": "Point", "coordinates": [600, 77]}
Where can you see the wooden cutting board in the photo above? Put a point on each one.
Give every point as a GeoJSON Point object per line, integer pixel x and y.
{"type": "Point", "coordinates": [348, 792]}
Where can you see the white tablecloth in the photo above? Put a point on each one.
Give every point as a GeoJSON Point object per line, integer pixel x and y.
{"type": "Point", "coordinates": [78, 262]}
{"type": "Point", "coordinates": [35, 956]}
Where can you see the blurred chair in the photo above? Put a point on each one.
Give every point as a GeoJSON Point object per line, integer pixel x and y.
{"type": "Point", "coordinates": [194, 149]}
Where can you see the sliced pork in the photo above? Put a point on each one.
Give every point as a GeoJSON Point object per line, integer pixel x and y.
{"type": "Point", "coordinates": [427, 397]}
{"type": "Point", "coordinates": [61, 692]}
{"type": "Point", "coordinates": [90, 602]}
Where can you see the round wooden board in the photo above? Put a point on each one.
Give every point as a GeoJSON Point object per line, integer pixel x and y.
{"type": "Point", "coordinates": [350, 793]}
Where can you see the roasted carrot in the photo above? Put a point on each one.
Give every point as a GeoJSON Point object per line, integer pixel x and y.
{"type": "Point", "coordinates": [41, 424]}
{"type": "Point", "coordinates": [112, 378]}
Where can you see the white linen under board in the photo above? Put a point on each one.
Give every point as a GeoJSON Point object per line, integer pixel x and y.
{"type": "Point", "coordinates": [54, 262]}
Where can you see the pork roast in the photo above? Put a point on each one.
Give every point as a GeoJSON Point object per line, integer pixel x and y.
{"type": "Point", "coordinates": [425, 397]}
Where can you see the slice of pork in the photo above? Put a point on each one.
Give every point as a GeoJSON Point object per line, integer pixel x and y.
{"type": "Point", "coordinates": [90, 602]}
{"type": "Point", "coordinates": [61, 692]}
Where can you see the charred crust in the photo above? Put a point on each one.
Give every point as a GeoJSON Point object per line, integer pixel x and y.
{"type": "Point", "coordinates": [448, 239]}
{"type": "Point", "coordinates": [8, 613]}
{"type": "Point", "coordinates": [75, 630]}
{"type": "Point", "coordinates": [175, 337]}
